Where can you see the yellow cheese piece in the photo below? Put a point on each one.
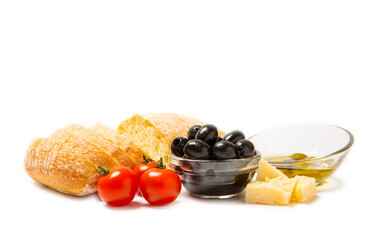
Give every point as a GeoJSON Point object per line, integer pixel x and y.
{"type": "Point", "coordinates": [275, 188]}
{"type": "Point", "coordinates": [277, 191]}
{"type": "Point", "coordinates": [305, 189]}
{"type": "Point", "coordinates": [266, 171]}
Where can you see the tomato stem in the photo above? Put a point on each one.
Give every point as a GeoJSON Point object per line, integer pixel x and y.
{"type": "Point", "coordinates": [160, 163]}
{"type": "Point", "coordinates": [103, 170]}
{"type": "Point", "coordinates": [146, 160]}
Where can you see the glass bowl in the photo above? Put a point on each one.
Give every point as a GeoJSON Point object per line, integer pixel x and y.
{"type": "Point", "coordinates": [215, 178]}
{"type": "Point", "coordinates": [310, 150]}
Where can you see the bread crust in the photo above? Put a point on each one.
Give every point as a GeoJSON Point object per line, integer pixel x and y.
{"type": "Point", "coordinates": [58, 165]}
{"type": "Point", "coordinates": [65, 161]}
{"type": "Point", "coordinates": [171, 125]}
{"type": "Point", "coordinates": [89, 150]}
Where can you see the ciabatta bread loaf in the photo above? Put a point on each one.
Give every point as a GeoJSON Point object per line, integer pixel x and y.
{"type": "Point", "coordinates": [65, 161]}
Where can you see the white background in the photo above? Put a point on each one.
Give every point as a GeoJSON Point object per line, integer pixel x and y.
{"type": "Point", "coordinates": [245, 65]}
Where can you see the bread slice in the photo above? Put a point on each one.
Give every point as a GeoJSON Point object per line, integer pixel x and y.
{"type": "Point", "coordinates": [103, 144]}
{"type": "Point", "coordinates": [154, 132]}
{"type": "Point", "coordinates": [135, 152]}
{"type": "Point", "coordinates": [58, 165]}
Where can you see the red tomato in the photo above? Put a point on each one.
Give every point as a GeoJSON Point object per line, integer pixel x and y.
{"type": "Point", "coordinates": [141, 168]}
{"type": "Point", "coordinates": [118, 187]}
{"type": "Point", "coordinates": [160, 186]}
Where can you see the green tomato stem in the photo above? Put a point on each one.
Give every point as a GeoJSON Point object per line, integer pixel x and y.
{"type": "Point", "coordinates": [103, 170]}
{"type": "Point", "coordinates": [160, 163]}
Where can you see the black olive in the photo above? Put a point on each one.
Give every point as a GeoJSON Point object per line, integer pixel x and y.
{"type": "Point", "coordinates": [245, 149]}
{"type": "Point", "coordinates": [224, 150]}
{"type": "Point", "coordinates": [177, 146]}
{"type": "Point", "coordinates": [196, 149]}
{"type": "Point", "coordinates": [234, 136]}
{"type": "Point", "coordinates": [208, 133]}
{"type": "Point", "coordinates": [193, 131]}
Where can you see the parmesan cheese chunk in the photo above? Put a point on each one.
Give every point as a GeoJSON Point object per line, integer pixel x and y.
{"type": "Point", "coordinates": [266, 171]}
{"type": "Point", "coordinates": [275, 188]}
{"type": "Point", "coordinates": [305, 189]}
{"type": "Point", "coordinates": [277, 191]}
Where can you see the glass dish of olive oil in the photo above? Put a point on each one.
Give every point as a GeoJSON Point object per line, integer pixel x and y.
{"type": "Point", "coordinates": [301, 164]}
{"type": "Point", "coordinates": [314, 150]}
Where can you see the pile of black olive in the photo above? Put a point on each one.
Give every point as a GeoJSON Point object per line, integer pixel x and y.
{"type": "Point", "coordinates": [204, 142]}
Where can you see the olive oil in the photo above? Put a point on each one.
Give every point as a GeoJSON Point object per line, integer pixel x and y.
{"type": "Point", "coordinates": [301, 164]}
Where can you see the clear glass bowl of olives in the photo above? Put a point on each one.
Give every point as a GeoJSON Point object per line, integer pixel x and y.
{"type": "Point", "coordinates": [211, 166]}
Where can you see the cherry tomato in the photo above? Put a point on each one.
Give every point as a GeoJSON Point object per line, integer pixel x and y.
{"type": "Point", "coordinates": [118, 187]}
{"type": "Point", "coordinates": [160, 186]}
{"type": "Point", "coordinates": [141, 168]}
